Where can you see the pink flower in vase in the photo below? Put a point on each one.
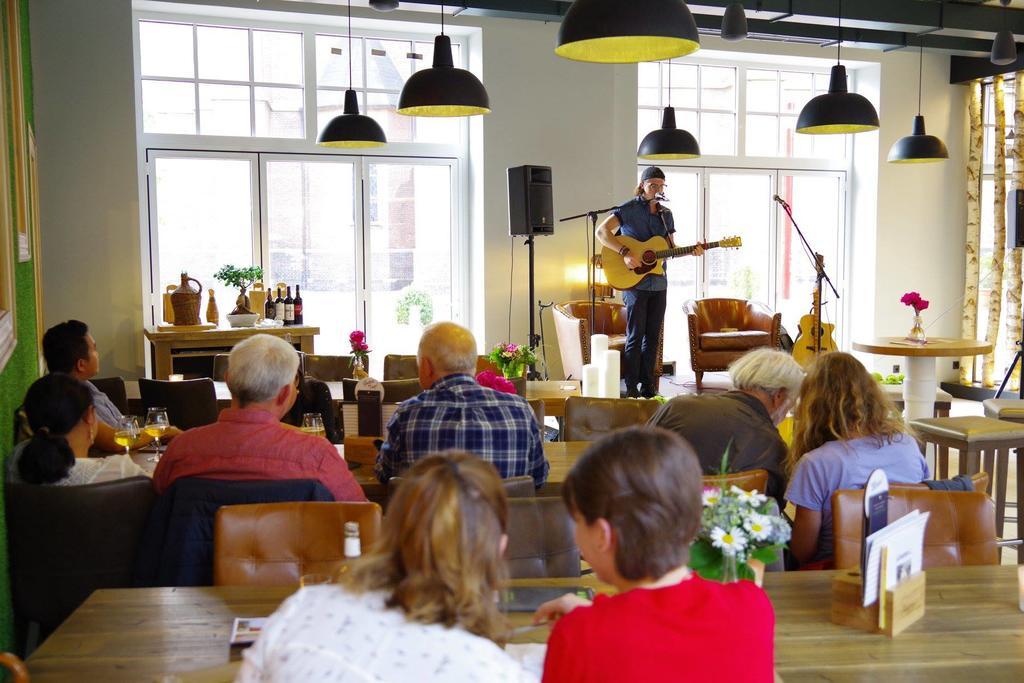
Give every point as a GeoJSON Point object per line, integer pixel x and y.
{"type": "Point", "coordinates": [357, 336]}
{"type": "Point", "coordinates": [914, 300]}
{"type": "Point", "coordinates": [492, 381]}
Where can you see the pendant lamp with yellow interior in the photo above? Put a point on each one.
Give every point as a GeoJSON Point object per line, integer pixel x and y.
{"type": "Point", "coordinates": [351, 129]}
{"type": "Point", "coordinates": [669, 142]}
{"type": "Point", "coordinates": [627, 31]}
{"type": "Point", "coordinates": [918, 147]}
{"type": "Point", "coordinates": [838, 110]}
{"type": "Point", "coordinates": [443, 90]}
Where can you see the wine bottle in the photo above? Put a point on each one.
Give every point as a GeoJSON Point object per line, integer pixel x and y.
{"type": "Point", "coordinates": [269, 309]}
{"type": "Point", "coordinates": [289, 308]}
{"type": "Point", "coordinates": [279, 306]}
{"type": "Point", "coordinates": [298, 306]}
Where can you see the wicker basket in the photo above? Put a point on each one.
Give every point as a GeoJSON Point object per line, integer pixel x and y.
{"type": "Point", "coordinates": [185, 301]}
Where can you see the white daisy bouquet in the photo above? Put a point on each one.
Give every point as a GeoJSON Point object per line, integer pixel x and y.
{"type": "Point", "coordinates": [736, 526]}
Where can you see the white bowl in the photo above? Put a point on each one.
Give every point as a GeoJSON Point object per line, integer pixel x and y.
{"type": "Point", "coordinates": [242, 319]}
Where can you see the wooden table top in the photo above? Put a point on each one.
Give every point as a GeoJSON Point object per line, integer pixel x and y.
{"type": "Point", "coordinates": [233, 334]}
{"type": "Point", "coordinates": [937, 347]}
{"type": "Point", "coordinates": [971, 631]}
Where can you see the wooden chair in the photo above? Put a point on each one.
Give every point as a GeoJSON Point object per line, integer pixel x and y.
{"type": "Point", "coordinates": [398, 366]}
{"type": "Point", "coordinates": [274, 544]}
{"type": "Point", "coordinates": [328, 368]}
{"type": "Point", "coordinates": [537, 404]}
{"type": "Point", "coordinates": [748, 480]}
{"type": "Point", "coordinates": [16, 667]}
{"type": "Point", "coordinates": [190, 403]}
{"type": "Point", "coordinates": [515, 487]}
{"type": "Point", "coordinates": [115, 390]}
{"type": "Point", "coordinates": [220, 367]}
{"type": "Point", "coordinates": [588, 419]}
{"type": "Point", "coordinates": [541, 540]}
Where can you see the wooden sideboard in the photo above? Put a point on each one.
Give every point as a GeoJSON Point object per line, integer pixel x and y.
{"type": "Point", "coordinates": [184, 352]}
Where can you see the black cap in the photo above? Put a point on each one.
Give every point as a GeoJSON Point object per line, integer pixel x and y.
{"type": "Point", "coordinates": [652, 172]}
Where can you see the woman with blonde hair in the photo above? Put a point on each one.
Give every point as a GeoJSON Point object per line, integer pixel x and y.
{"type": "Point", "coordinates": [419, 606]}
{"type": "Point", "coordinates": [845, 427]}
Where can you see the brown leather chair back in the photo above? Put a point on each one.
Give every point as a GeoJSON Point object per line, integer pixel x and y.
{"type": "Point", "coordinates": [748, 480]}
{"type": "Point", "coordinates": [515, 487]}
{"type": "Point", "coordinates": [220, 367]}
{"type": "Point", "coordinates": [537, 404]}
{"type": "Point", "coordinates": [274, 544]}
{"type": "Point", "coordinates": [541, 541]}
{"type": "Point", "coordinates": [190, 403]}
{"type": "Point", "coordinates": [400, 367]}
{"type": "Point", "coordinates": [64, 542]}
{"type": "Point", "coordinates": [15, 666]}
{"type": "Point", "coordinates": [114, 388]}
{"type": "Point", "coordinates": [572, 327]}
{"type": "Point", "coordinates": [588, 419]}
{"type": "Point", "coordinates": [961, 529]}
{"type": "Point", "coordinates": [328, 368]}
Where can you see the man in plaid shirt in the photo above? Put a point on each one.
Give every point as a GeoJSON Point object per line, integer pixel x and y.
{"type": "Point", "coordinates": [454, 412]}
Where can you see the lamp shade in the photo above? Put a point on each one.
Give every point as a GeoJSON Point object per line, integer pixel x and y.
{"type": "Point", "coordinates": [668, 142]}
{"type": "Point", "coordinates": [918, 148]}
{"type": "Point", "coordinates": [1004, 49]}
{"type": "Point", "coordinates": [443, 90]}
{"type": "Point", "coordinates": [618, 32]}
{"type": "Point", "coordinates": [352, 129]}
{"type": "Point", "coordinates": [734, 23]}
{"type": "Point", "coordinates": [837, 111]}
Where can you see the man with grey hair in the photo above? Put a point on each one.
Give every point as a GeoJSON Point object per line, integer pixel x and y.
{"type": "Point", "coordinates": [744, 420]}
{"type": "Point", "coordinates": [248, 441]}
{"type": "Point", "coordinates": [455, 412]}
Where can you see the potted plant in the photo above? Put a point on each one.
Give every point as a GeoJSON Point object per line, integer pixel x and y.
{"type": "Point", "coordinates": [243, 278]}
{"type": "Point", "coordinates": [512, 359]}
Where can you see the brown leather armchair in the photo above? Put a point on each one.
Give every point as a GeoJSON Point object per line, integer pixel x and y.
{"type": "Point", "coordinates": [572, 327]}
{"type": "Point", "coordinates": [588, 419]}
{"type": "Point", "coordinates": [722, 330]}
{"type": "Point", "coordinates": [960, 531]}
{"type": "Point", "coordinates": [274, 544]}
{"type": "Point", "coordinates": [541, 540]}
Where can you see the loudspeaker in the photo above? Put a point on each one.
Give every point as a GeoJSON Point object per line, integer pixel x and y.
{"type": "Point", "coordinates": [1015, 219]}
{"type": "Point", "coordinates": [530, 210]}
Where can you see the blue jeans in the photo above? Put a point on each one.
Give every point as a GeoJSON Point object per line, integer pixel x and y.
{"type": "Point", "coordinates": [645, 313]}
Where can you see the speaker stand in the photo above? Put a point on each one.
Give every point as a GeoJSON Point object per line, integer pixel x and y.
{"type": "Point", "coordinates": [534, 339]}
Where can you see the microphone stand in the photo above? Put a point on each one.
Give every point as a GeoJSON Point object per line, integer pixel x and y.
{"type": "Point", "coordinates": [818, 261]}
{"type": "Point", "coordinates": [592, 215]}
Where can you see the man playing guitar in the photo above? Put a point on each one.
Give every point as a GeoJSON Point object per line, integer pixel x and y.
{"type": "Point", "coordinates": [641, 218]}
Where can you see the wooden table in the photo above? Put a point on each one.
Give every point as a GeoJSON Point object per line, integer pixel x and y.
{"type": "Point", "coordinates": [173, 345]}
{"type": "Point", "coordinates": [971, 631]}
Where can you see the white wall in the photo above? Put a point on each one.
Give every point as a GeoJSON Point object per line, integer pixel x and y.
{"type": "Point", "coordinates": [580, 119]}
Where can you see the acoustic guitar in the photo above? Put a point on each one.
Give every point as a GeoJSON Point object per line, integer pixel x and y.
{"type": "Point", "coordinates": [651, 253]}
{"type": "Point", "coordinates": [813, 339]}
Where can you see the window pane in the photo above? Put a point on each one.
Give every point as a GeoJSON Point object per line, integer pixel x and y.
{"type": "Point", "coordinates": [828, 146]}
{"type": "Point", "coordinates": [684, 85]}
{"type": "Point", "coordinates": [223, 53]}
{"type": "Point", "coordinates": [166, 49]}
{"type": "Point", "coordinates": [332, 61]}
{"type": "Point", "coordinates": [278, 112]}
{"type": "Point", "coordinates": [718, 88]}
{"type": "Point", "coordinates": [796, 91]}
{"type": "Point", "coordinates": [717, 133]}
{"type": "Point", "coordinates": [426, 55]}
{"type": "Point", "coordinates": [739, 273]}
{"type": "Point", "coordinates": [650, 119]}
{"type": "Point", "coordinates": [436, 129]}
{"type": "Point", "coordinates": [277, 57]}
{"type": "Point", "coordinates": [204, 220]}
{"type": "Point", "coordinates": [762, 134]}
{"type": "Point", "coordinates": [398, 128]}
{"type": "Point", "coordinates": [762, 90]}
{"type": "Point", "coordinates": [224, 109]}
{"type": "Point", "coordinates": [647, 77]}
{"type": "Point", "coordinates": [410, 228]}
{"type": "Point", "coordinates": [387, 71]}
{"type": "Point", "coordinates": [311, 229]}
{"type": "Point", "coordinates": [168, 107]}
{"type": "Point", "coordinates": [793, 144]}
{"type": "Point", "coordinates": [821, 83]}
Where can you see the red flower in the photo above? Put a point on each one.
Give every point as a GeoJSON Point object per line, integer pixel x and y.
{"type": "Point", "coordinates": [492, 381]}
{"type": "Point", "coordinates": [914, 300]}
{"type": "Point", "coordinates": [357, 336]}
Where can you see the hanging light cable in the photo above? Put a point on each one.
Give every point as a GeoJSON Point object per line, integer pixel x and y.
{"type": "Point", "coordinates": [918, 147]}
{"type": "Point", "coordinates": [669, 142]}
{"type": "Point", "coordinates": [351, 129]}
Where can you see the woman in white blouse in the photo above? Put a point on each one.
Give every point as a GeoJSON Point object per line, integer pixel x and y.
{"type": "Point", "coordinates": [63, 419]}
{"type": "Point", "coordinates": [419, 606]}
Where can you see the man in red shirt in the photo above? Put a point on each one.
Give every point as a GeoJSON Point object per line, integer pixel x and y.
{"type": "Point", "coordinates": [248, 441]}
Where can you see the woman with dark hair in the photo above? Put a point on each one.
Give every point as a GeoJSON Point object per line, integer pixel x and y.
{"type": "Point", "coordinates": [419, 606]}
{"type": "Point", "coordinates": [63, 419]}
{"type": "Point", "coordinates": [636, 499]}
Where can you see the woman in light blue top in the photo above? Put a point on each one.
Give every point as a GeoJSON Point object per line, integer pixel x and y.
{"type": "Point", "coordinates": [844, 428]}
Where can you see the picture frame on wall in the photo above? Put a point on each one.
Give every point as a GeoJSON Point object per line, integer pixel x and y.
{"type": "Point", "coordinates": [19, 130]}
{"type": "Point", "coordinates": [36, 243]}
{"type": "Point", "coordinates": [8, 331]}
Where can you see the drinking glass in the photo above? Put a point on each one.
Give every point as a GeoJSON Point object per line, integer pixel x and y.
{"type": "Point", "coordinates": [156, 424]}
{"type": "Point", "coordinates": [313, 423]}
{"type": "Point", "coordinates": [127, 432]}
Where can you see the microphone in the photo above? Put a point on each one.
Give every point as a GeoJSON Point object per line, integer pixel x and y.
{"type": "Point", "coordinates": [660, 197]}
{"type": "Point", "coordinates": [780, 200]}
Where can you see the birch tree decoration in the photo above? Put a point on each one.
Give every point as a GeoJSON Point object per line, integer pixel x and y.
{"type": "Point", "coordinates": [1012, 330]}
{"type": "Point", "coordinates": [995, 300]}
{"type": "Point", "coordinates": [969, 321]}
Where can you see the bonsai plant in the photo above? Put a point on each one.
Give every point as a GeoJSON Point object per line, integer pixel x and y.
{"type": "Point", "coordinates": [243, 278]}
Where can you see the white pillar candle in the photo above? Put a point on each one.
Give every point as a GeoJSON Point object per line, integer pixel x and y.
{"type": "Point", "coordinates": [598, 346]}
{"type": "Point", "coordinates": [610, 375]}
{"type": "Point", "coordinates": [591, 380]}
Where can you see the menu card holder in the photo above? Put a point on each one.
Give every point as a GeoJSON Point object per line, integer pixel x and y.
{"type": "Point", "coordinates": [899, 608]}
{"type": "Point", "coordinates": [368, 407]}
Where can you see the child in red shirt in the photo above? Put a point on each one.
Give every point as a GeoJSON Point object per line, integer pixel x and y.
{"type": "Point", "coordinates": [636, 499]}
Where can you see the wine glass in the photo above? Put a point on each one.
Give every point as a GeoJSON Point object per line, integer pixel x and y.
{"type": "Point", "coordinates": [156, 424]}
{"type": "Point", "coordinates": [313, 423]}
{"type": "Point", "coordinates": [127, 432]}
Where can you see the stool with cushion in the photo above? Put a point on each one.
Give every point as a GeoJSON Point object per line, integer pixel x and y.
{"type": "Point", "coordinates": [588, 419]}
{"type": "Point", "coordinates": [943, 399]}
{"type": "Point", "coordinates": [984, 443]}
{"type": "Point", "coordinates": [541, 540]}
{"type": "Point", "coordinates": [274, 544]}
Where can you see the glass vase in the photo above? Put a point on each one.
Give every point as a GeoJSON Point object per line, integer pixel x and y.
{"type": "Point", "coordinates": [513, 370]}
{"type": "Point", "coordinates": [730, 573]}
{"type": "Point", "coordinates": [359, 368]}
{"type": "Point", "coordinates": [916, 333]}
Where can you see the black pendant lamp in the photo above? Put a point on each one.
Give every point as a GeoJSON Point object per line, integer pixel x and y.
{"type": "Point", "coordinates": [1004, 49]}
{"type": "Point", "coordinates": [351, 129]}
{"type": "Point", "coordinates": [669, 142]}
{"type": "Point", "coordinates": [443, 90]}
{"type": "Point", "coordinates": [918, 147]}
{"type": "Point", "coordinates": [734, 23]}
{"type": "Point", "coordinates": [838, 110]}
{"type": "Point", "coordinates": [384, 5]}
{"type": "Point", "coordinates": [623, 32]}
